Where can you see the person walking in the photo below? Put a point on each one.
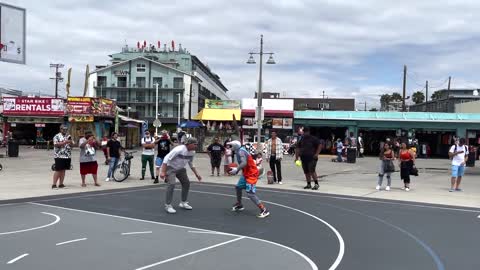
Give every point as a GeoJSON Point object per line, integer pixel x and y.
{"type": "Point", "coordinates": [228, 158]}
{"type": "Point", "coordinates": [274, 156]}
{"type": "Point", "coordinates": [248, 180]}
{"type": "Point", "coordinates": [386, 167]}
{"type": "Point", "coordinates": [307, 152]}
{"type": "Point", "coordinates": [407, 161]}
{"type": "Point", "coordinates": [459, 155]}
{"type": "Point", "coordinates": [62, 150]}
{"type": "Point", "coordinates": [164, 146]}
{"type": "Point", "coordinates": [339, 150]}
{"type": "Point", "coordinates": [215, 152]}
{"type": "Point", "coordinates": [88, 160]}
{"type": "Point", "coordinates": [113, 154]}
{"type": "Point", "coordinates": [174, 167]}
{"type": "Point", "coordinates": [360, 146]}
{"type": "Point", "coordinates": [148, 154]}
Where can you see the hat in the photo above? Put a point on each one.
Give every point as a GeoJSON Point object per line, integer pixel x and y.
{"type": "Point", "coordinates": [191, 140]}
{"type": "Point", "coordinates": [235, 144]}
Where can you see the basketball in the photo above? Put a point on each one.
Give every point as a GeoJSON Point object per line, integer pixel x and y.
{"type": "Point", "coordinates": [232, 165]}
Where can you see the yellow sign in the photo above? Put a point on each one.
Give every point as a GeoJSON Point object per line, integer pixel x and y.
{"type": "Point", "coordinates": [75, 119]}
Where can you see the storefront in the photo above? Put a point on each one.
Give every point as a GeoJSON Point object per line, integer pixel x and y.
{"type": "Point", "coordinates": [130, 131]}
{"type": "Point", "coordinates": [33, 121]}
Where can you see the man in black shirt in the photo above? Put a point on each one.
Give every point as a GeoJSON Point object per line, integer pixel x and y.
{"type": "Point", "coordinates": [113, 154]}
{"type": "Point", "coordinates": [308, 149]}
{"type": "Point", "coordinates": [215, 152]}
{"type": "Point", "coordinates": [164, 147]}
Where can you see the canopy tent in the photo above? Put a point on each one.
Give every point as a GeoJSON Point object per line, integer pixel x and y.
{"type": "Point", "coordinates": [128, 119]}
{"type": "Point", "coordinates": [218, 114]}
{"type": "Point", "coordinates": [191, 124]}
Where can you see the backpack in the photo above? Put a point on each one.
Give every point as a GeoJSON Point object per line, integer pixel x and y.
{"type": "Point", "coordinates": [455, 150]}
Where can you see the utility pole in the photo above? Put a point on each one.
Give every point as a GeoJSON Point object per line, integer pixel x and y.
{"type": "Point", "coordinates": [365, 105]}
{"type": "Point", "coordinates": [426, 96]}
{"type": "Point", "coordinates": [58, 76]}
{"type": "Point", "coordinates": [448, 93]}
{"type": "Point", "coordinates": [404, 86]}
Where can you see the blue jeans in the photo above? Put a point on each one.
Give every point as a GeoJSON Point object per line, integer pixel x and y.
{"type": "Point", "coordinates": [339, 157]}
{"type": "Point", "coordinates": [111, 166]}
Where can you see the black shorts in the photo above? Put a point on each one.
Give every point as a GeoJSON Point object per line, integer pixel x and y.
{"type": "Point", "coordinates": [309, 165]}
{"type": "Point", "coordinates": [62, 164]}
{"type": "Point", "coordinates": [215, 162]}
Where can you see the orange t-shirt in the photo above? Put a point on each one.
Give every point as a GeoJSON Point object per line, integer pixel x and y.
{"type": "Point", "coordinates": [250, 172]}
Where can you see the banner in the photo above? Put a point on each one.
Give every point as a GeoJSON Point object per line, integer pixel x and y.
{"type": "Point", "coordinates": [77, 118]}
{"type": "Point", "coordinates": [26, 106]}
{"type": "Point", "coordinates": [287, 123]}
{"type": "Point", "coordinates": [79, 106]}
{"type": "Point", "coordinates": [248, 122]}
{"type": "Point", "coordinates": [83, 106]}
{"type": "Point", "coordinates": [277, 123]}
{"type": "Point", "coordinates": [222, 104]}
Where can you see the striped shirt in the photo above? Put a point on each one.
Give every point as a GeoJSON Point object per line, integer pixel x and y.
{"type": "Point", "coordinates": [278, 153]}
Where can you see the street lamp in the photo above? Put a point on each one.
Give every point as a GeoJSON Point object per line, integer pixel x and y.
{"type": "Point", "coordinates": [178, 121]}
{"type": "Point", "coordinates": [156, 109]}
{"type": "Point", "coordinates": [270, 61]}
{"type": "Point", "coordinates": [128, 111]}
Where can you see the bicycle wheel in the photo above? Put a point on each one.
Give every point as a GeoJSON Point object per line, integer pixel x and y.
{"type": "Point", "coordinates": [120, 172]}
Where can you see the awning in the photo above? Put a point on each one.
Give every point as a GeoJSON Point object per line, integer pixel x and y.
{"type": "Point", "coordinates": [128, 119]}
{"type": "Point", "coordinates": [269, 113]}
{"type": "Point", "coordinates": [218, 114]}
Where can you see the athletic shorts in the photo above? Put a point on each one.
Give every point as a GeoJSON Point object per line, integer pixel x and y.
{"type": "Point", "coordinates": [62, 164]}
{"type": "Point", "coordinates": [309, 165]}
{"type": "Point", "coordinates": [88, 168]}
{"type": "Point", "coordinates": [158, 162]}
{"type": "Point", "coordinates": [250, 188]}
{"type": "Point", "coordinates": [458, 171]}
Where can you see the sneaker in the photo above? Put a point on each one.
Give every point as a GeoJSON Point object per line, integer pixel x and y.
{"type": "Point", "coordinates": [280, 182]}
{"type": "Point", "coordinates": [185, 206]}
{"type": "Point", "coordinates": [407, 189]}
{"type": "Point", "coordinates": [377, 187]}
{"type": "Point", "coordinates": [156, 181]}
{"type": "Point", "coordinates": [169, 208]}
{"type": "Point", "coordinates": [458, 189]}
{"type": "Point", "coordinates": [107, 179]}
{"type": "Point", "coordinates": [54, 187]}
{"type": "Point", "coordinates": [61, 186]}
{"type": "Point", "coordinates": [264, 213]}
{"type": "Point", "coordinates": [315, 187]}
{"type": "Point", "coordinates": [451, 190]}
{"type": "Point", "coordinates": [238, 207]}
{"type": "Point", "coordinates": [142, 178]}
{"type": "Point", "coordinates": [387, 188]}
{"type": "Point", "coordinates": [308, 186]}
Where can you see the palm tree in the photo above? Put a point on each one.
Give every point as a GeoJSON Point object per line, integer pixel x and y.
{"type": "Point", "coordinates": [418, 97]}
{"type": "Point", "coordinates": [385, 100]}
{"type": "Point", "coordinates": [436, 95]}
{"type": "Point", "coordinates": [396, 97]}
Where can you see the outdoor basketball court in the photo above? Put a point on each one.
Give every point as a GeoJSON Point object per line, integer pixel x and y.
{"type": "Point", "coordinates": [129, 229]}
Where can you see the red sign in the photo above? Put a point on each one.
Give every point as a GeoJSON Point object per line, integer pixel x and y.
{"type": "Point", "coordinates": [27, 106]}
{"type": "Point", "coordinates": [79, 106]}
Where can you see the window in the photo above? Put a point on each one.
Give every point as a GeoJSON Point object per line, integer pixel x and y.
{"type": "Point", "coordinates": [122, 81]}
{"type": "Point", "coordinates": [157, 80]}
{"type": "Point", "coordinates": [140, 82]}
{"type": "Point", "coordinates": [140, 96]}
{"type": "Point", "coordinates": [121, 95]}
{"type": "Point", "coordinates": [324, 106]}
{"type": "Point", "coordinates": [141, 67]}
{"type": "Point", "coordinates": [102, 81]}
{"type": "Point", "coordinates": [101, 92]}
{"type": "Point", "coordinates": [178, 83]}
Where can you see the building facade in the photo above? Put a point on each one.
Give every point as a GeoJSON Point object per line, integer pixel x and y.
{"type": "Point", "coordinates": [184, 83]}
{"type": "Point", "coordinates": [446, 100]}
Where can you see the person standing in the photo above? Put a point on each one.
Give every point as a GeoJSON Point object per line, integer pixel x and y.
{"type": "Point", "coordinates": [228, 158]}
{"type": "Point", "coordinates": [248, 180]}
{"type": "Point", "coordinates": [339, 150]}
{"type": "Point", "coordinates": [148, 154]}
{"type": "Point", "coordinates": [164, 147]}
{"type": "Point", "coordinates": [215, 152]}
{"type": "Point", "coordinates": [407, 160]}
{"type": "Point", "coordinates": [386, 167]}
{"type": "Point", "coordinates": [459, 155]}
{"type": "Point", "coordinates": [360, 146]}
{"type": "Point", "coordinates": [275, 156]}
{"type": "Point", "coordinates": [62, 149]}
{"type": "Point", "coordinates": [113, 154]}
{"type": "Point", "coordinates": [174, 167]}
{"type": "Point", "coordinates": [307, 151]}
{"type": "Point", "coordinates": [88, 161]}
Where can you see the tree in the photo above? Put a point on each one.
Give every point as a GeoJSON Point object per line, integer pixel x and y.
{"type": "Point", "coordinates": [385, 100]}
{"type": "Point", "coordinates": [396, 97]}
{"type": "Point", "coordinates": [436, 95]}
{"type": "Point", "coordinates": [418, 97]}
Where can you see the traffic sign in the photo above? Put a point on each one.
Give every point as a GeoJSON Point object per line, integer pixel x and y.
{"type": "Point", "coordinates": [12, 34]}
{"type": "Point", "coordinates": [157, 123]}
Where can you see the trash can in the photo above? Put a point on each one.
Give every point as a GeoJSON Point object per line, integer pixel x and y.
{"type": "Point", "coordinates": [12, 149]}
{"type": "Point", "coordinates": [472, 156]}
{"type": "Point", "coordinates": [351, 155]}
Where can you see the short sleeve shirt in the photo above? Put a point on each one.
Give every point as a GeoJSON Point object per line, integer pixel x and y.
{"type": "Point", "coordinates": [308, 145]}
{"type": "Point", "coordinates": [62, 151]}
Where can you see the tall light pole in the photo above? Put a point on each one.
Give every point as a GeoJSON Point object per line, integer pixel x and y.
{"type": "Point", "coordinates": [156, 108]}
{"type": "Point", "coordinates": [178, 121]}
{"type": "Point", "coordinates": [260, 95]}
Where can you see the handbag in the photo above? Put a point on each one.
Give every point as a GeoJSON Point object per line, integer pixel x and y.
{"type": "Point", "coordinates": [388, 166]}
{"type": "Point", "coordinates": [414, 170]}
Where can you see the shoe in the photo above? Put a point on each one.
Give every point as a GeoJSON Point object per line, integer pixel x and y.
{"type": "Point", "coordinates": [407, 189]}
{"type": "Point", "coordinates": [387, 188]}
{"type": "Point", "coordinates": [308, 186]}
{"type": "Point", "coordinates": [264, 213]}
{"type": "Point", "coordinates": [107, 179]}
{"type": "Point", "coordinates": [169, 208]}
{"type": "Point", "coordinates": [142, 178]}
{"type": "Point", "coordinates": [153, 178]}
{"type": "Point", "coordinates": [315, 187]}
{"type": "Point", "coordinates": [54, 187]}
{"type": "Point", "coordinates": [83, 185]}
{"type": "Point", "coordinates": [156, 181]}
{"type": "Point", "coordinates": [451, 190]}
{"type": "Point", "coordinates": [61, 186]}
{"type": "Point", "coordinates": [458, 189]}
{"type": "Point", "coordinates": [185, 206]}
{"type": "Point", "coordinates": [238, 207]}
{"type": "Point", "coordinates": [377, 187]}
{"type": "Point", "coordinates": [280, 182]}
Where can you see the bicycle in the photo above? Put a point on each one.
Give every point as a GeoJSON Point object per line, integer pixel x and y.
{"type": "Point", "coordinates": [122, 170]}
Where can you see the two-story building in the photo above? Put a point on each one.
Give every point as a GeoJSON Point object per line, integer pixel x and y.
{"type": "Point", "coordinates": [446, 100]}
{"type": "Point", "coordinates": [184, 83]}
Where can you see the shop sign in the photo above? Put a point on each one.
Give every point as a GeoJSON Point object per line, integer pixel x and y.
{"type": "Point", "coordinates": [13, 124]}
{"type": "Point", "coordinates": [85, 106]}
{"type": "Point", "coordinates": [120, 72]}
{"type": "Point", "coordinates": [287, 123]}
{"type": "Point", "coordinates": [33, 106]}
{"type": "Point", "coordinates": [78, 118]}
{"type": "Point", "coordinates": [222, 104]}
{"type": "Point", "coordinates": [79, 106]}
{"type": "Point", "coordinates": [38, 125]}
{"type": "Point", "coordinates": [277, 123]}
{"type": "Point", "coordinates": [249, 123]}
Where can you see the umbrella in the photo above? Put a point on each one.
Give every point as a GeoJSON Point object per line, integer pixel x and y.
{"type": "Point", "coordinates": [191, 124]}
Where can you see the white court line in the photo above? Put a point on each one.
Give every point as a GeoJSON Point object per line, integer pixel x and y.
{"type": "Point", "coordinates": [191, 253]}
{"type": "Point", "coordinates": [57, 219]}
{"type": "Point", "coordinates": [307, 259]}
{"type": "Point", "coordinates": [17, 258]}
{"type": "Point", "coordinates": [130, 233]}
{"type": "Point", "coordinates": [71, 241]}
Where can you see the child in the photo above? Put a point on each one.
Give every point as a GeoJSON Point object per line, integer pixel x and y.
{"type": "Point", "coordinates": [227, 159]}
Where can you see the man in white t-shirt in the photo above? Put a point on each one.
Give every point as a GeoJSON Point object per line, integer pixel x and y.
{"type": "Point", "coordinates": [148, 154]}
{"type": "Point", "coordinates": [459, 155]}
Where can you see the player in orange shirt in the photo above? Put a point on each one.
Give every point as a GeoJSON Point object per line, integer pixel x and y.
{"type": "Point", "coordinates": [248, 180]}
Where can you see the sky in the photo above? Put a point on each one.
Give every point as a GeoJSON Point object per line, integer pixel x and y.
{"type": "Point", "coordinates": [343, 48]}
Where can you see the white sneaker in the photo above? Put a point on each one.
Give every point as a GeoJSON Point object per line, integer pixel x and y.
{"type": "Point", "coordinates": [185, 205]}
{"type": "Point", "coordinates": [378, 187]}
{"type": "Point", "coordinates": [107, 179]}
{"type": "Point", "coordinates": [387, 188]}
{"type": "Point", "coordinates": [169, 208]}
{"type": "Point", "coordinates": [280, 182]}
{"type": "Point", "coordinates": [407, 189]}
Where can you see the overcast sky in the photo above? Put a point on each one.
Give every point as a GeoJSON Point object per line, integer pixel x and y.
{"type": "Point", "coordinates": [347, 48]}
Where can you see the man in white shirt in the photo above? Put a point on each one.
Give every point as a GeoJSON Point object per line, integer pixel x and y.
{"type": "Point", "coordinates": [274, 156]}
{"type": "Point", "coordinates": [459, 155]}
{"type": "Point", "coordinates": [148, 154]}
{"type": "Point", "coordinates": [174, 166]}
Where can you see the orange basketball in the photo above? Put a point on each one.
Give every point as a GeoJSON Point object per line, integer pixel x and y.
{"type": "Point", "coordinates": [232, 165]}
